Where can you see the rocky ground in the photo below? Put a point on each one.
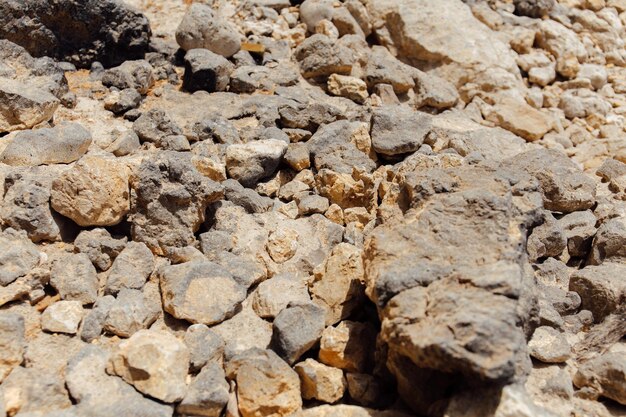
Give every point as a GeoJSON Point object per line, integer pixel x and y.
{"type": "Point", "coordinates": [349, 208]}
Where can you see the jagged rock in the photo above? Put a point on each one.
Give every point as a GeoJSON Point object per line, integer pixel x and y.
{"type": "Point", "coordinates": [207, 394]}
{"type": "Point", "coordinates": [348, 346]}
{"type": "Point", "coordinates": [62, 144]}
{"type": "Point", "coordinates": [18, 256]}
{"type": "Point", "coordinates": [549, 345]}
{"type": "Point", "coordinates": [320, 56]}
{"type": "Point", "coordinates": [93, 322]}
{"type": "Point", "coordinates": [398, 130]}
{"type": "Point", "coordinates": [602, 288]}
{"type": "Point", "coordinates": [433, 91]}
{"type": "Point", "coordinates": [266, 385]}
{"type": "Point", "coordinates": [12, 342]}
{"type": "Point", "coordinates": [23, 106]}
{"type": "Point", "coordinates": [349, 87]}
{"type": "Point", "coordinates": [98, 394]}
{"type": "Point", "coordinates": [62, 317]}
{"type": "Point", "coordinates": [384, 68]}
{"type": "Point", "coordinates": [99, 246]}
{"type": "Point", "coordinates": [244, 331]}
{"type": "Point", "coordinates": [120, 102]}
{"type": "Point", "coordinates": [533, 8]}
{"type": "Point", "coordinates": [273, 295]}
{"type": "Point", "coordinates": [296, 330]}
{"type": "Point", "coordinates": [78, 32]}
{"type": "Point", "coordinates": [604, 375]}
{"type": "Point", "coordinates": [246, 197]}
{"type": "Point", "coordinates": [250, 162]}
{"type": "Point", "coordinates": [312, 12]}
{"type": "Point", "coordinates": [153, 361]}
{"type": "Point", "coordinates": [201, 28]}
{"type": "Point", "coordinates": [205, 70]}
{"type": "Point", "coordinates": [126, 143]}
{"type": "Point", "coordinates": [200, 292]}
{"type": "Point", "coordinates": [74, 277]}
{"type": "Point", "coordinates": [131, 268]}
{"type": "Point", "coordinates": [343, 410]}
{"type": "Point", "coordinates": [168, 201]}
{"type": "Point", "coordinates": [579, 228]}
{"type": "Point", "coordinates": [155, 126]}
{"type": "Point", "coordinates": [520, 118]}
{"type": "Point", "coordinates": [34, 390]}
{"type": "Point", "coordinates": [131, 312]}
{"type": "Point", "coordinates": [363, 388]}
{"type": "Point", "coordinates": [205, 346]}
{"type": "Point", "coordinates": [608, 243]}
{"type": "Point", "coordinates": [546, 240]}
{"type": "Point", "coordinates": [94, 192]}
{"type": "Point", "coordinates": [320, 382]}
{"type": "Point", "coordinates": [137, 75]}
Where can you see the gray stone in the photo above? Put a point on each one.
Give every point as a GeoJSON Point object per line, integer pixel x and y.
{"type": "Point", "coordinates": [155, 126]}
{"type": "Point", "coordinates": [398, 130]}
{"type": "Point", "coordinates": [273, 296]}
{"type": "Point", "coordinates": [120, 102]}
{"type": "Point", "coordinates": [201, 28]}
{"type": "Point", "coordinates": [12, 342]}
{"type": "Point", "coordinates": [24, 106]}
{"type": "Point", "coordinates": [546, 240]}
{"type": "Point", "coordinates": [602, 288]}
{"type": "Point", "coordinates": [296, 330]}
{"type": "Point", "coordinates": [137, 75]}
{"type": "Point", "coordinates": [205, 346]}
{"type": "Point", "coordinates": [384, 68]}
{"type": "Point", "coordinates": [246, 197]}
{"type": "Point", "coordinates": [205, 70]}
{"type": "Point", "coordinates": [579, 228]}
{"type": "Point", "coordinates": [62, 317]}
{"type": "Point", "coordinates": [62, 144]}
{"type": "Point", "coordinates": [207, 394]}
{"type": "Point", "coordinates": [18, 256]}
{"type": "Point", "coordinates": [246, 270]}
{"type": "Point", "coordinates": [244, 331]}
{"type": "Point", "coordinates": [611, 169]}
{"type": "Point", "coordinates": [609, 244]}
{"type": "Point", "coordinates": [131, 268]}
{"type": "Point", "coordinates": [312, 12]}
{"type": "Point", "coordinates": [131, 312]}
{"type": "Point", "coordinates": [34, 390]}
{"type": "Point", "coordinates": [99, 246]}
{"type": "Point", "coordinates": [604, 375]}
{"type": "Point", "coordinates": [93, 322]}
{"type": "Point", "coordinates": [250, 162]}
{"type": "Point", "coordinates": [200, 292]}
{"type": "Point", "coordinates": [320, 56]}
{"type": "Point", "coordinates": [533, 8]}
{"type": "Point", "coordinates": [74, 277]}
{"type": "Point", "coordinates": [125, 144]}
{"type": "Point", "coordinates": [311, 203]}
{"type": "Point", "coordinates": [549, 345]}
{"type": "Point", "coordinates": [433, 91]}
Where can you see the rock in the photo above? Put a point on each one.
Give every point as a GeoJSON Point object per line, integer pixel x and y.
{"type": "Point", "coordinates": [521, 119]}
{"type": "Point", "coordinates": [62, 144]}
{"type": "Point", "coordinates": [596, 74]}
{"type": "Point", "coordinates": [320, 56]}
{"type": "Point", "coordinates": [398, 130]}
{"type": "Point", "coordinates": [62, 317]}
{"type": "Point", "coordinates": [34, 390]}
{"type": "Point", "coordinates": [12, 342]}
{"type": "Point", "coordinates": [608, 243]}
{"type": "Point", "coordinates": [154, 362]}
{"type": "Point", "coordinates": [352, 88]}
{"type": "Point", "coordinates": [582, 103]}
{"type": "Point", "coordinates": [120, 102]}
{"type": "Point", "coordinates": [74, 277]}
{"type": "Point", "coordinates": [297, 156]}
{"type": "Point", "coordinates": [579, 228]}
{"type": "Point", "coordinates": [131, 268]}
{"type": "Point", "coordinates": [384, 68]}
{"type": "Point", "coordinates": [282, 244]}
{"type": "Point", "coordinates": [207, 394]}
{"type": "Point", "coordinates": [433, 91]}
{"type": "Point", "coordinates": [564, 187]}
{"type": "Point", "coordinates": [364, 389]}
{"type": "Point", "coordinates": [93, 390]}
{"type": "Point", "coordinates": [205, 346]}
{"type": "Point", "coordinates": [605, 376]}
{"type": "Point", "coordinates": [250, 162]}
{"type": "Point", "coordinates": [320, 382]}
{"type": "Point", "coordinates": [93, 322]}
{"type": "Point", "coordinates": [78, 32]}
{"type": "Point", "coordinates": [246, 271]}
{"type": "Point", "coordinates": [94, 192]}
{"type": "Point", "coordinates": [131, 312]}
{"type": "Point", "coordinates": [205, 70]}
{"type": "Point", "coordinates": [137, 75]}
{"type": "Point", "coordinates": [312, 12]}
{"type": "Point", "coordinates": [99, 246]}
{"type": "Point", "coordinates": [18, 256]}
{"type": "Point", "coordinates": [266, 386]}
{"type": "Point", "coordinates": [126, 143]}
{"type": "Point", "coordinates": [337, 284]}
{"type": "Point", "coordinates": [547, 240]}
{"type": "Point", "coordinates": [168, 201]}
{"type": "Point", "coordinates": [311, 204]}
{"type": "Point", "coordinates": [244, 331]}
{"type": "Point", "coordinates": [297, 329]}
{"type": "Point", "coordinates": [611, 169]}
{"type": "Point", "coordinates": [549, 345]}
{"type": "Point", "coordinates": [348, 346]}
{"type": "Point", "coordinates": [602, 288]}
{"type": "Point", "coordinates": [155, 126]}
{"type": "Point", "coordinates": [343, 410]}
{"type": "Point", "coordinates": [201, 28]}
{"type": "Point", "coordinates": [200, 292]}
{"type": "Point", "coordinates": [246, 198]}
{"type": "Point", "coordinates": [23, 106]}
{"type": "Point", "coordinates": [563, 44]}
{"type": "Point", "coordinates": [273, 296]}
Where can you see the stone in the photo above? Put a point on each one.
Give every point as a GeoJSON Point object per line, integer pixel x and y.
{"type": "Point", "coordinates": [595, 73]}
{"type": "Point", "coordinates": [297, 329]}
{"type": "Point", "coordinates": [351, 88]}
{"type": "Point", "coordinates": [120, 102]}
{"type": "Point", "coordinates": [205, 346]}
{"type": "Point", "coordinates": [34, 390]}
{"type": "Point", "coordinates": [520, 119]}
{"type": "Point", "coordinates": [246, 270]}
{"type": "Point", "coordinates": [18, 256]}
{"type": "Point", "coordinates": [602, 288]}
{"type": "Point", "coordinates": [244, 331]}
{"type": "Point", "coordinates": [297, 156]}
{"type": "Point", "coordinates": [611, 169]}
{"type": "Point", "coordinates": [282, 244]}
{"type": "Point", "coordinates": [155, 126]}
{"type": "Point", "coordinates": [579, 228]}
{"type": "Point", "coordinates": [250, 162]}
{"type": "Point", "coordinates": [433, 91]}
{"type": "Point", "coordinates": [564, 187]}
{"type": "Point", "coordinates": [200, 292]}
{"type": "Point", "coordinates": [131, 312]}
{"type": "Point", "coordinates": [348, 346]}
{"type": "Point", "coordinates": [12, 342]}
{"type": "Point", "coordinates": [398, 130]}
{"type": "Point", "coordinates": [168, 201]}
{"type": "Point", "coordinates": [312, 12]}
{"type": "Point", "coordinates": [608, 243]}
{"type": "Point", "coordinates": [93, 390]}
{"type": "Point", "coordinates": [546, 240]}
{"type": "Point", "coordinates": [363, 388]}
{"type": "Point", "coordinates": [337, 284]}
{"type": "Point", "coordinates": [207, 394]}
{"type": "Point", "coordinates": [549, 345]}
{"type": "Point", "coordinates": [62, 144]}
{"type": "Point", "coordinates": [311, 204]}
{"type": "Point", "coordinates": [266, 385]}
{"type": "Point", "coordinates": [137, 75]}
{"type": "Point", "coordinates": [26, 204]}
{"type": "Point", "coordinates": [384, 68]}
{"type": "Point", "coordinates": [320, 56]}
{"type": "Point", "coordinates": [131, 268]}
{"type": "Point", "coordinates": [205, 70]}
{"type": "Point", "coordinates": [201, 28]}
{"type": "Point", "coordinates": [24, 106]}
{"type": "Point", "coordinates": [582, 103]}
{"type": "Point", "coordinates": [94, 192]}
{"type": "Point", "coordinates": [533, 8]}
{"type": "Point", "coordinates": [74, 277]}
{"type": "Point", "coordinates": [153, 361]}
{"type": "Point", "coordinates": [62, 317]}
{"type": "Point", "coordinates": [604, 375]}
{"type": "Point", "coordinates": [344, 410]}
{"type": "Point", "coordinates": [78, 32]}
{"type": "Point", "coordinates": [99, 246]}
{"type": "Point", "coordinates": [320, 382]}
{"type": "Point", "coordinates": [93, 322]}
{"type": "Point", "coordinates": [273, 295]}
{"type": "Point", "coordinates": [246, 197]}
{"type": "Point", "coordinates": [125, 144]}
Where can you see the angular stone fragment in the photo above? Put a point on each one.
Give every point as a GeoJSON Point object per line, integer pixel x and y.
{"type": "Point", "coordinates": [12, 342]}
{"type": "Point", "coordinates": [207, 394]}
{"type": "Point", "coordinates": [244, 331]}
{"type": "Point", "coordinates": [74, 277]}
{"type": "Point", "coordinates": [62, 144]}
{"type": "Point", "coordinates": [604, 375]}
{"type": "Point", "coordinates": [549, 345]}
{"type": "Point", "coordinates": [398, 130]}
{"type": "Point", "coordinates": [320, 382]}
{"type": "Point", "coordinates": [99, 246]}
{"type": "Point", "coordinates": [131, 268]}
{"type": "Point", "coordinates": [94, 192]}
{"type": "Point", "coordinates": [348, 346]}
{"type": "Point", "coordinates": [296, 330]}
{"type": "Point", "coordinates": [137, 75]}
{"type": "Point", "coordinates": [521, 119]}
{"type": "Point", "coordinates": [120, 102]}
{"type": "Point", "coordinates": [352, 88]}
{"type": "Point", "coordinates": [609, 242]}
{"type": "Point", "coordinates": [131, 312]}
{"type": "Point", "coordinates": [250, 162]}
{"type": "Point", "coordinates": [384, 68]}
{"type": "Point", "coordinates": [18, 256]}
{"type": "Point", "coordinates": [602, 288]}
{"type": "Point", "coordinates": [205, 70]}
{"type": "Point", "coordinates": [24, 106]}
{"type": "Point", "coordinates": [320, 56]}
{"type": "Point", "coordinates": [200, 292]}
{"type": "Point", "coordinates": [34, 390]}
{"type": "Point", "coordinates": [533, 8]}
{"type": "Point", "coordinates": [93, 322]}
{"type": "Point", "coordinates": [266, 385]}
{"type": "Point", "coordinates": [205, 346]}
{"type": "Point", "coordinates": [153, 361]}
{"type": "Point", "coordinates": [273, 295]}
{"type": "Point", "coordinates": [62, 317]}
{"type": "Point", "coordinates": [201, 28]}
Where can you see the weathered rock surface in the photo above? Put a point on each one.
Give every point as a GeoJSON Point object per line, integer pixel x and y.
{"type": "Point", "coordinates": [201, 28]}
{"type": "Point", "coordinates": [12, 342]}
{"type": "Point", "coordinates": [74, 277]}
{"type": "Point", "coordinates": [604, 375]}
